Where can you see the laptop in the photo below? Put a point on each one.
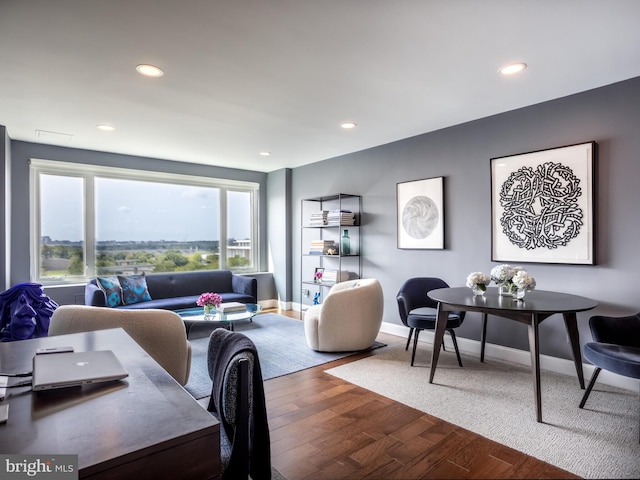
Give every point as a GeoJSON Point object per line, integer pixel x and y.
{"type": "Point", "coordinates": [62, 370]}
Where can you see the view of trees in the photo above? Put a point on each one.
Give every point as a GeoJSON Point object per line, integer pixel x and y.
{"type": "Point", "coordinates": [111, 260]}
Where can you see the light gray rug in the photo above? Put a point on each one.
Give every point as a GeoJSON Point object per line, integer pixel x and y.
{"type": "Point", "coordinates": [495, 400]}
{"type": "Point", "coordinates": [281, 344]}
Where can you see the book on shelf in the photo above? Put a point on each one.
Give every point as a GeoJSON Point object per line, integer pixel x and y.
{"type": "Point", "coordinates": [232, 307]}
{"type": "Point", "coordinates": [321, 247]}
{"type": "Point", "coordinates": [318, 219]}
{"type": "Point", "coordinates": [341, 217]}
{"type": "Point", "coordinates": [333, 276]}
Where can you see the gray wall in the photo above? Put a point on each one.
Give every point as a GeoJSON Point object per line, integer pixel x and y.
{"type": "Point", "coordinates": [279, 229]}
{"type": "Point", "coordinates": [21, 152]}
{"type": "Point", "coordinates": [609, 115]}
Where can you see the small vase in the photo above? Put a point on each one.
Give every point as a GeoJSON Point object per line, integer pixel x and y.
{"type": "Point", "coordinates": [346, 244]}
{"type": "Point", "coordinates": [506, 290]}
{"type": "Point", "coordinates": [519, 294]}
{"type": "Point", "coordinates": [477, 291]}
{"type": "Point", "coordinates": [209, 312]}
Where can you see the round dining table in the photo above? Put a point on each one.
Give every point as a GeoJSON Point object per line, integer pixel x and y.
{"type": "Point", "coordinates": [532, 310]}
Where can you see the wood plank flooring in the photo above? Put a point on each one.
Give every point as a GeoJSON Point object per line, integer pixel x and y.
{"type": "Point", "coordinates": [325, 428]}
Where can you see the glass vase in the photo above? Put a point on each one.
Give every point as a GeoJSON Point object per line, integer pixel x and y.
{"type": "Point", "coordinates": [507, 290]}
{"type": "Point", "coordinates": [477, 291]}
{"type": "Point", "coordinates": [209, 312]}
{"type": "Point", "coordinates": [519, 294]}
{"type": "Point", "coordinates": [346, 243]}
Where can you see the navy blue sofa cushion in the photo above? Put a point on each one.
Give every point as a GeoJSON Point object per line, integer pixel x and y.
{"type": "Point", "coordinates": [173, 291]}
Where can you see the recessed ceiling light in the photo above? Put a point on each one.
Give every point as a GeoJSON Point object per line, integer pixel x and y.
{"type": "Point", "coordinates": [105, 127]}
{"type": "Point", "coordinates": [512, 68]}
{"type": "Point", "coordinates": [348, 125]}
{"type": "Point", "coordinates": [265, 154]}
{"type": "Point", "coordinates": [149, 70]}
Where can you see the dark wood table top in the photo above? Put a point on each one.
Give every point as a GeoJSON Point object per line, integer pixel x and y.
{"type": "Point", "coordinates": [107, 424]}
{"type": "Point", "coordinates": [536, 301]}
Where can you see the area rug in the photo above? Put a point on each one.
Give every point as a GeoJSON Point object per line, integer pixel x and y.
{"type": "Point", "coordinates": [281, 344]}
{"type": "Point", "coordinates": [495, 399]}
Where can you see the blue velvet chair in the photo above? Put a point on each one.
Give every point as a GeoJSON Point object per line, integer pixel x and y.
{"type": "Point", "coordinates": [418, 311]}
{"type": "Point", "coordinates": [616, 347]}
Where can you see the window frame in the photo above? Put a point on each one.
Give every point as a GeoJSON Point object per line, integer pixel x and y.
{"type": "Point", "coordinates": [88, 173]}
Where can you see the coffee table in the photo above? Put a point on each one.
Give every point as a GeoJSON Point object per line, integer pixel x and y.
{"type": "Point", "coordinates": [195, 315]}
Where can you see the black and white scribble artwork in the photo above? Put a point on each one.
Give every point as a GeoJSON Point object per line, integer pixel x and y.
{"type": "Point", "coordinates": [420, 217]}
{"type": "Point", "coordinates": [541, 208]}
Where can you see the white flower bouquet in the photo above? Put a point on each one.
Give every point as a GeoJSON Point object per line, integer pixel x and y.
{"type": "Point", "coordinates": [511, 279]}
{"type": "Point", "coordinates": [524, 281]}
{"type": "Point", "coordinates": [479, 280]}
{"type": "Point", "coordinates": [503, 274]}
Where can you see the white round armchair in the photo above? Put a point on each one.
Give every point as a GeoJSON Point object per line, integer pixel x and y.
{"type": "Point", "coordinates": [348, 319]}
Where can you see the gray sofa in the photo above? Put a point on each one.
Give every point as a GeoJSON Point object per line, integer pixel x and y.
{"type": "Point", "coordinates": [173, 291]}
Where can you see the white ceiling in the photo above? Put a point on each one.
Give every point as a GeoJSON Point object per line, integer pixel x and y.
{"type": "Point", "coordinates": [243, 76]}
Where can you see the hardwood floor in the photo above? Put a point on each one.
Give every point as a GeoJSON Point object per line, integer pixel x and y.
{"type": "Point", "coordinates": [325, 428]}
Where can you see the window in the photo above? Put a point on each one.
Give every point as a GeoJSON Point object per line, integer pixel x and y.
{"type": "Point", "coordinates": [90, 221]}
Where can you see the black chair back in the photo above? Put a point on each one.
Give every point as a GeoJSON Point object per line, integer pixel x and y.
{"type": "Point", "coordinates": [616, 330]}
{"type": "Point", "coordinates": [413, 294]}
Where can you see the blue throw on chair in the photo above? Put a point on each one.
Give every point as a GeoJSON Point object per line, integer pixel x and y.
{"type": "Point", "coordinates": [616, 347]}
{"type": "Point", "coordinates": [237, 400]}
{"type": "Point", "coordinates": [25, 312]}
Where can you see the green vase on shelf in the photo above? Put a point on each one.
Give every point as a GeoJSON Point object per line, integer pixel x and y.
{"type": "Point", "coordinates": [346, 243]}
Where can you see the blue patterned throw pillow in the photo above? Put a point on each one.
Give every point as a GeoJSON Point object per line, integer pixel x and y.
{"type": "Point", "coordinates": [134, 289]}
{"type": "Point", "coordinates": [112, 290]}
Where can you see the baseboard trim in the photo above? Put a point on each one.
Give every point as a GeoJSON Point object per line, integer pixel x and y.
{"type": "Point", "coordinates": [499, 352]}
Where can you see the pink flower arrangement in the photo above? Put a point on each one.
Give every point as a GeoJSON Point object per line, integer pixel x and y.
{"type": "Point", "coordinates": [209, 299]}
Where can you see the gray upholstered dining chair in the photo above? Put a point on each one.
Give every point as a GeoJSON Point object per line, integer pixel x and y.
{"type": "Point", "coordinates": [616, 347]}
{"type": "Point", "coordinates": [161, 333]}
{"type": "Point", "coordinates": [418, 312]}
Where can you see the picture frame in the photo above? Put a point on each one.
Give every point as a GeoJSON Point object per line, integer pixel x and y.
{"type": "Point", "coordinates": [542, 206]}
{"type": "Point", "coordinates": [317, 275]}
{"type": "Point", "coordinates": [420, 214]}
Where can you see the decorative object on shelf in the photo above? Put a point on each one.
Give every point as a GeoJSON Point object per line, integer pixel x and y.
{"type": "Point", "coordinates": [332, 251]}
{"type": "Point", "coordinates": [421, 213]}
{"type": "Point", "coordinates": [477, 282]}
{"type": "Point", "coordinates": [317, 276]}
{"type": "Point", "coordinates": [542, 206]}
{"type": "Point", "coordinates": [346, 243]}
{"type": "Point", "coordinates": [316, 298]}
{"type": "Point", "coordinates": [210, 302]}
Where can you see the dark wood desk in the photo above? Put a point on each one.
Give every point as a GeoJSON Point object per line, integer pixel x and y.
{"type": "Point", "coordinates": [536, 307]}
{"type": "Point", "coordinates": [144, 427]}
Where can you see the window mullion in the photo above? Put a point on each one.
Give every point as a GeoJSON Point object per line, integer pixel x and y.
{"type": "Point", "coordinates": [223, 230]}
{"type": "Point", "coordinates": [89, 225]}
